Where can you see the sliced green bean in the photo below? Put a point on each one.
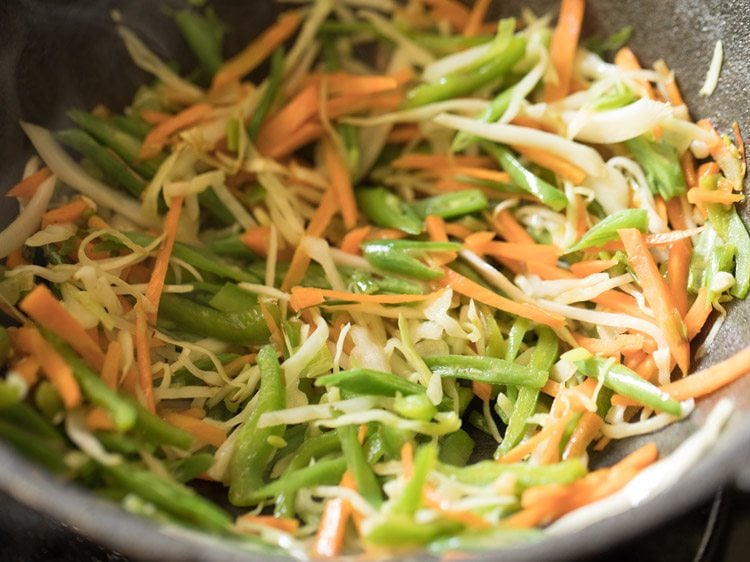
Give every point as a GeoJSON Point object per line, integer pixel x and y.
{"type": "Point", "coordinates": [486, 369]}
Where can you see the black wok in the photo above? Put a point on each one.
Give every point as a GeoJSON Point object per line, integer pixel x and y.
{"type": "Point", "coordinates": [55, 55]}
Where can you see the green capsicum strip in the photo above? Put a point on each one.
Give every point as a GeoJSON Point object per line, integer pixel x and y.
{"type": "Point", "coordinates": [452, 205]}
{"type": "Point", "coordinates": [401, 256]}
{"type": "Point", "coordinates": [606, 229]}
{"type": "Point", "coordinates": [486, 369]}
{"type": "Point", "coordinates": [367, 484]}
{"type": "Point", "coordinates": [386, 209]}
{"type": "Point", "coordinates": [661, 163]}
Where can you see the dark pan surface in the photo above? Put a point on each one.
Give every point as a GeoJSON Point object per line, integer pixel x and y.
{"type": "Point", "coordinates": [55, 55]}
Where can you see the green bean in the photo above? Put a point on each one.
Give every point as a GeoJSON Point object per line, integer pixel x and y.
{"type": "Point", "coordinates": [547, 194]}
{"type": "Point", "coordinates": [402, 531]}
{"type": "Point", "coordinates": [189, 468]}
{"type": "Point", "coordinates": [606, 229]}
{"type": "Point", "coordinates": [442, 45]}
{"type": "Point", "coordinates": [121, 411]}
{"type": "Point", "coordinates": [661, 163]}
{"type": "Point", "coordinates": [124, 144]}
{"type": "Point", "coordinates": [30, 445]}
{"type": "Point", "coordinates": [486, 369]}
{"type": "Point", "coordinates": [526, 475]}
{"type": "Point", "coordinates": [410, 499]}
{"type": "Point", "coordinates": [401, 256]}
{"type": "Point", "coordinates": [627, 383]}
{"type": "Point", "coordinates": [23, 415]}
{"type": "Point", "coordinates": [269, 94]}
{"type": "Point", "coordinates": [356, 462]}
{"type": "Point", "coordinates": [394, 439]}
{"type": "Point", "coordinates": [733, 231]}
{"type": "Point", "coordinates": [113, 167]}
{"type": "Point", "coordinates": [386, 209]}
{"type": "Point", "coordinates": [466, 81]}
{"type": "Point", "coordinates": [325, 472]}
{"type": "Point", "coordinates": [233, 134]}
{"type": "Point", "coordinates": [231, 246]}
{"type": "Point", "coordinates": [313, 447]}
{"type": "Point", "coordinates": [131, 124]}
{"type": "Point", "coordinates": [246, 326]}
{"type": "Point", "coordinates": [542, 357]}
{"type": "Point", "coordinates": [47, 400]}
{"type": "Point", "coordinates": [369, 284]}
{"type": "Point", "coordinates": [368, 381]}
{"type": "Point", "coordinates": [452, 205]}
{"type": "Point", "coordinates": [456, 448]}
{"type": "Point", "coordinates": [215, 207]}
{"type": "Point", "coordinates": [231, 298]}
{"type": "Point", "coordinates": [172, 497]}
{"type": "Point", "coordinates": [415, 407]}
{"type": "Point", "coordinates": [252, 451]}
{"type": "Point", "coordinates": [203, 36]}
{"type": "Point", "coordinates": [156, 431]}
{"type": "Point", "coordinates": [117, 442]}
{"type": "Point", "coordinates": [602, 45]}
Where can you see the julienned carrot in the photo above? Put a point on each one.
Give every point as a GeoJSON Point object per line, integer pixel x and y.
{"type": "Point", "coordinates": [698, 313]}
{"type": "Point", "coordinates": [70, 212]}
{"type": "Point", "coordinates": [28, 367]}
{"type": "Point", "coordinates": [143, 358]}
{"type": "Point", "coordinates": [560, 166]}
{"type": "Point", "coordinates": [687, 163]}
{"type": "Point", "coordinates": [202, 430]}
{"type": "Point", "coordinates": [697, 195]}
{"type": "Point", "coordinates": [344, 83]}
{"type": "Point", "coordinates": [626, 59]}
{"type": "Point", "coordinates": [55, 367]}
{"type": "Point", "coordinates": [469, 288]}
{"type": "Point", "coordinates": [476, 17]}
{"type": "Point", "coordinates": [297, 268]}
{"type": "Point", "coordinates": [341, 183]}
{"type": "Point", "coordinates": [323, 214]}
{"type": "Point", "coordinates": [435, 227]}
{"type": "Point", "coordinates": [550, 454]}
{"type": "Point", "coordinates": [710, 379]}
{"type": "Point", "coordinates": [28, 186]}
{"type": "Point", "coordinates": [452, 11]}
{"type": "Point", "coordinates": [402, 134]}
{"type": "Point", "coordinates": [157, 137]}
{"type": "Point", "coordinates": [347, 104]}
{"type": "Point", "coordinates": [418, 161]}
{"type": "Point", "coordinates": [286, 524]}
{"type": "Point", "coordinates": [674, 96]}
{"type": "Point", "coordinates": [482, 390]}
{"type": "Point", "coordinates": [407, 460]}
{"type": "Point", "coordinates": [330, 537]}
{"type": "Point", "coordinates": [507, 226]}
{"type": "Point", "coordinates": [257, 51]}
{"type": "Point", "coordinates": [658, 296]}
{"type": "Point", "coordinates": [296, 139]}
{"type": "Point", "coordinates": [542, 253]}
{"type": "Point", "coordinates": [153, 116]}
{"type": "Point", "coordinates": [161, 265]}
{"type": "Point", "coordinates": [258, 239]}
{"type": "Point", "coordinates": [353, 239]}
{"type": "Point", "coordinates": [41, 305]}
{"type": "Point", "coordinates": [586, 430]}
{"type": "Point", "coordinates": [618, 301]}
{"type": "Point", "coordinates": [299, 110]}
{"type": "Point", "coordinates": [590, 267]}
{"type": "Point", "coordinates": [305, 297]}
{"type": "Point", "coordinates": [97, 419]}
{"type": "Point", "coordinates": [477, 173]}
{"type": "Point", "coordinates": [678, 268]}
{"type": "Point", "coordinates": [111, 366]}
{"type": "Point", "coordinates": [547, 272]}
{"type": "Point", "coordinates": [517, 453]}
{"type": "Point", "coordinates": [563, 47]}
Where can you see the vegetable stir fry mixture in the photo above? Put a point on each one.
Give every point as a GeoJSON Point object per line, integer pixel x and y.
{"type": "Point", "coordinates": [422, 228]}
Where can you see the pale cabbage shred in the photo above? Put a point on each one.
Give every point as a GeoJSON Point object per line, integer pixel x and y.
{"type": "Point", "coordinates": [382, 338]}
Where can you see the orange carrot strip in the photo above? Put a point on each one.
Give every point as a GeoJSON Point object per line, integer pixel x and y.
{"type": "Point", "coordinates": [47, 311]}
{"type": "Point", "coordinates": [354, 238]}
{"type": "Point", "coordinates": [407, 460]}
{"type": "Point", "coordinates": [508, 227]}
{"type": "Point", "coordinates": [546, 271]}
{"type": "Point", "coordinates": [344, 83]}
{"type": "Point", "coordinates": [457, 230]}
{"type": "Point", "coordinates": [341, 183]}
{"type": "Point", "coordinates": [517, 453]}
{"type": "Point", "coordinates": [626, 59]}
{"type": "Point", "coordinates": [200, 429]}
{"type": "Point", "coordinates": [111, 365]}
{"type": "Point", "coordinates": [698, 314]}
{"type": "Point", "coordinates": [297, 268]}
{"type": "Point", "coordinates": [143, 358]}
{"type": "Point", "coordinates": [323, 214]}
{"type": "Point", "coordinates": [476, 17]}
{"type": "Point", "coordinates": [678, 267]}
{"type": "Point", "coordinates": [258, 239]}
{"type": "Point", "coordinates": [563, 47]}
{"type": "Point", "coordinates": [98, 419]}
{"type": "Point", "coordinates": [296, 139]}
{"type": "Point", "coordinates": [157, 137]}
{"type": "Point", "coordinates": [357, 103]}
{"type": "Point", "coordinates": [710, 379]}
{"type": "Point", "coordinates": [256, 51]}
{"type": "Point", "coordinates": [161, 265]}
{"type": "Point", "coordinates": [415, 160]}
{"type": "Point", "coordinates": [55, 367]}
{"type": "Point", "coordinates": [687, 162]}
{"type": "Point", "coordinates": [286, 524]}
{"type": "Point", "coordinates": [590, 267]}
{"type": "Point", "coordinates": [618, 301]}
{"type": "Point", "coordinates": [70, 212]}
{"type": "Point", "coordinates": [455, 13]}
{"type": "Point", "coordinates": [674, 96]}
{"type": "Point", "coordinates": [330, 537]}
{"type": "Point", "coordinates": [28, 186]}
{"type": "Point", "coordinates": [560, 166]}
{"type": "Point", "coordinates": [305, 297]}
{"type": "Point", "coordinates": [403, 134]}
{"type": "Point", "coordinates": [701, 196]}
{"type": "Point", "coordinates": [435, 227]}
{"type": "Point", "coordinates": [15, 259]}
{"type": "Point", "coordinates": [299, 110]}
{"type": "Point", "coordinates": [28, 368]}
{"type": "Point", "coordinates": [154, 117]}
{"type": "Point", "coordinates": [478, 173]}
{"type": "Point", "coordinates": [587, 429]}
{"type": "Point", "coordinates": [482, 390]}
{"type": "Point", "coordinates": [469, 288]}
{"type": "Point", "coordinates": [542, 253]}
{"type": "Point", "coordinates": [551, 388]}
{"type": "Point", "coordinates": [658, 296]}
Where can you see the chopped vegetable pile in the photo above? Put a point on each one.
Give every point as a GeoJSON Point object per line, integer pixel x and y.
{"type": "Point", "coordinates": [422, 229]}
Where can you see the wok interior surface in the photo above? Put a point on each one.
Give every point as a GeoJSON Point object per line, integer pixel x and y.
{"type": "Point", "coordinates": [61, 55]}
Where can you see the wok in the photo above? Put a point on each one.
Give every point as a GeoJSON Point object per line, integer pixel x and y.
{"type": "Point", "coordinates": [56, 55]}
